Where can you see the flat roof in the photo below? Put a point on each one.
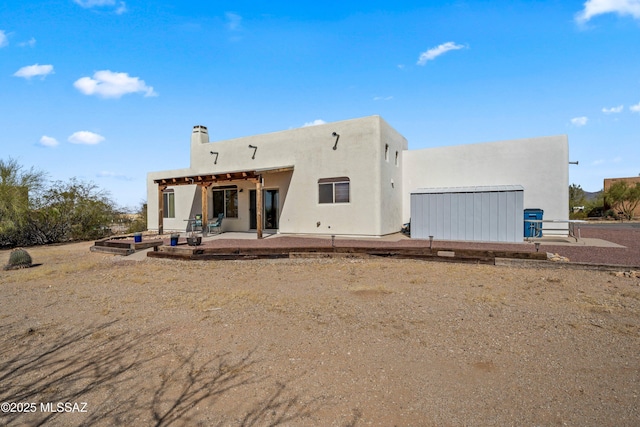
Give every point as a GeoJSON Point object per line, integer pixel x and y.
{"type": "Point", "coordinates": [471, 189]}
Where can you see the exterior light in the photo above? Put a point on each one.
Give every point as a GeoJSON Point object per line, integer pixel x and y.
{"type": "Point", "coordinates": [335, 146]}
{"type": "Point", "coordinates": [215, 162]}
{"type": "Point", "coordinates": [254, 150]}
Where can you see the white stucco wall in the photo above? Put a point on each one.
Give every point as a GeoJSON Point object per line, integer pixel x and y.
{"type": "Point", "coordinates": [391, 185]}
{"type": "Point", "coordinates": [184, 199]}
{"type": "Point", "coordinates": [359, 156]}
{"type": "Point", "coordinates": [540, 165]}
{"type": "Point", "coordinates": [379, 187]}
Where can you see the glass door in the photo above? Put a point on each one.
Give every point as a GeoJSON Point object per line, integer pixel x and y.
{"type": "Point", "coordinates": [270, 214]}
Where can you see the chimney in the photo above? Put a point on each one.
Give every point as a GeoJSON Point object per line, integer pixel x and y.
{"type": "Point", "coordinates": [199, 135]}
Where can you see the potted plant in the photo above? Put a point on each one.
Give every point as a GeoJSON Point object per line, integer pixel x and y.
{"type": "Point", "coordinates": [193, 239]}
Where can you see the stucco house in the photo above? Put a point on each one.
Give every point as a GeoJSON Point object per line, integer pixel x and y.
{"type": "Point", "coordinates": [352, 177]}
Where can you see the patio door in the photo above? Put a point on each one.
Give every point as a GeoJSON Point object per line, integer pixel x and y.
{"type": "Point", "coordinates": [270, 214]}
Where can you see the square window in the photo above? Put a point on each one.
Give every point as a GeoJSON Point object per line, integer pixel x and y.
{"type": "Point", "coordinates": [341, 192]}
{"type": "Point", "coordinates": [333, 190]}
{"type": "Point", "coordinates": [326, 193]}
{"type": "Point", "coordinates": [225, 201]}
{"type": "Point", "coordinates": [231, 203]}
{"type": "Point", "coordinates": [218, 203]}
{"type": "Point", "coordinates": [168, 205]}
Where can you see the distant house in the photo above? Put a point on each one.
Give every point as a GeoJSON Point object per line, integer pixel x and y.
{"type": "Point", "coordinates": [353, 177]}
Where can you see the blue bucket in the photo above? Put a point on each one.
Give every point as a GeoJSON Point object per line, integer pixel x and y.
{"type": "Point", "coordinates": [137, 238]}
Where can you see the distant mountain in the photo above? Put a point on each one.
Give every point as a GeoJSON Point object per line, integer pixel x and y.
{"type": "Point", "coordinates": [592, 196]}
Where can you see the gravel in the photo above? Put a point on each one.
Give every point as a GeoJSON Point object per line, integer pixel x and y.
{"type": "Point", "coordinates": [308, 342]}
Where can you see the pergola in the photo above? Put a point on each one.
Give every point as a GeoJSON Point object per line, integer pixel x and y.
{"type": "Point", "coordinates": [205, 181]}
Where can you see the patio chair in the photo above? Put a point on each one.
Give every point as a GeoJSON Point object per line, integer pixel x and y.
{"type": "Point", "coordinates": [216, 226]}
{"type": "Point", "coordinates": [197, 222]}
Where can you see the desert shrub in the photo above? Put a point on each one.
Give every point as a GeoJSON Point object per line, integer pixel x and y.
{"type": "Point", "coordinates": [139, 223]}
{"type": "Point", "coordinates": [623, 198]}
{"type": "Point", "coordinates": [576, 197]}
{"type": "Point", "coordinates": [578, 215]}
{"type": "Point", "coordinates": [77, 210]}
{"type": "Point", "coordinates": [610, 214]}
{"type": "Point", "coordinates": [19, 188]}
{"type": "Point", "coordinates": [33, 211]}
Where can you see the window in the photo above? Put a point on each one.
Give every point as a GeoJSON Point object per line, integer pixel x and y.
{"type": "Point", "coordinates": [333, 190]}
{"type": "Point", "coordinates": [396, 158]}
{"type": "Point", "coordinates": [168, 204]}
{"type": "Point", "coordinates": [225, 201]}
{"type": "Point", "coordinates": [386, 152]}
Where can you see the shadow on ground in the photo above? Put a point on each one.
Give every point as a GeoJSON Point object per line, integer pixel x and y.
{"type": "Point", "coordinates": [122, 382]}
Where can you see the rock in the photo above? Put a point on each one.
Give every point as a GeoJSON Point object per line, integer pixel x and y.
{"type": "Point", "coordinates": [556, 257]}
{"type": "Point", "coordinates": [631, 274]}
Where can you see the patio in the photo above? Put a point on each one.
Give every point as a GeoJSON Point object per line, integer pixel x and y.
{"type": "Point", "coordinates": [599, 245]}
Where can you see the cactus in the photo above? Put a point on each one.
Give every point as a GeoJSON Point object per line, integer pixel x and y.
{"type": "Point", "coordinates": [19, 258]}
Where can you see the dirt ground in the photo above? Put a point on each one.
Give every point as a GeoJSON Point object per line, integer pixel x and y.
{"type": "Point", "coordinates": [314, 342]}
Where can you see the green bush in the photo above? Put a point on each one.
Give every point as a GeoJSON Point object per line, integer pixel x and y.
{"type": "Point", "coordinates": [140, 222]}
{"type": "Point", "coordinates": [623, 198]}
{"type": "Point", "coordinates": [34, 212]}
{"type": "Point", "coordinates": [578, 215]}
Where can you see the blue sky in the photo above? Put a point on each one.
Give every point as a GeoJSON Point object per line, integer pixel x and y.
{"type": "Point", "coordinates": [108, 90]}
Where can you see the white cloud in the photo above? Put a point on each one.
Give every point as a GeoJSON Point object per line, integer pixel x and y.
{"type": "Point", "coordinates": [433, 53]}
{"type": "Point", "coordinates": [635, 108]}
{"type": "Point", "coordinates": [47, 141]}
{"type": "Point", "coordinates": [95, 3]}
{"type": "Point", "coordinates": [86, 138]}
{"type": "Point", "coordinates": [612, 110]}
{"type": "Point", "coordinates": [34, 70]}
{"type": "Point", "coordinates": [314, 123]}
{"type": "Point", "coordinates": [108, 84]}
{"type": "Point", "coordinates": [599, 7]}
{"type": "Point", "coordinates": [579, 121]}
{"type": "Point", "coordinates": [108, 174]}
{"type": "Point", "coordinates": [4, 41]}
{"type": "Point", "coordinates": [382, 98]}
{"type": "Point", "coordinates": [233, 21]}
{"type": "Point", "coordinates": [120, 6]}
{"type": "Point", "coordinates": [603, 161]}
{"type": "Point", "coordinates": [30, 43]}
